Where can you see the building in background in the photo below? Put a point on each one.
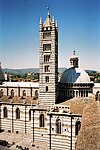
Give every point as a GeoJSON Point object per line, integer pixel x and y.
{"type": "Point", "coordinates": [1, 75]}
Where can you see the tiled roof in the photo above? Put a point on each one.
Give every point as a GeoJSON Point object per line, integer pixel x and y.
{"type": "Point", "coordinates": [76, 105]}
{"type": "Point", "coordinates": [89, 135]}
{"type": "Point", "coordinates": [18, 100]}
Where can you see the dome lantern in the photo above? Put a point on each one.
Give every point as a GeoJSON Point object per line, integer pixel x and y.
{"type": "Point", "coordinates": [74, 60]}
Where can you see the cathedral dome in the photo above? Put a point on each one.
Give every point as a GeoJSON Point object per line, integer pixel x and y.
{"type": "Point", "coordinates": [74, 75]}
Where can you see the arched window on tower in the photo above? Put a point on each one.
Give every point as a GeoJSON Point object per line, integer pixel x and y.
{"type": "Point", "coordinates": [5, 112]}
{"type": "Point", "coordinates": [77, 127]}
{"type": "Point", "coordinates": [47, 79]}
{"type": "Point", "coordinates": [58, 126]}
{"type": "Point", "coordinates": [29, 115]}
{"type": "Point", "coordinates": [42, 123]}
{"type": "Point", "coordinates": [17, 113]}
{"type": "Point", "coordinates": [46, 88]}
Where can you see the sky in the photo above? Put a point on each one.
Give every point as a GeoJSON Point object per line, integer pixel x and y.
{"type": "Point", "coordinates": [79, 30]}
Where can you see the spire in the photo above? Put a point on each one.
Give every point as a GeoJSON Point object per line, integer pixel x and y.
{"type": "Point", "coordinates": [47, 22]}
{"type": "Point", "coordinates": [53, 19]}
{"type": "Point", "coordinates": [40, 20]}
{"type": "Point", "coordinates": [56, 24]}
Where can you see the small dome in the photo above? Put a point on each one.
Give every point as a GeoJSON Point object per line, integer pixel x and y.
{"type": "Point", "coordinates": [74, 75]}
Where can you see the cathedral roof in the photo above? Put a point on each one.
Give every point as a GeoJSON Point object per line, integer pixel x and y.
{"type": "Point", "coordinates": [21, 84]}
{"type": "Point", "coordinates": [19, 100]}
{"type": "Point", "coordinates": [76, 104]}
{"type": "Point", "coordinates": [89, 134]}
{"type": "Point", "coordinates": [74, 75]}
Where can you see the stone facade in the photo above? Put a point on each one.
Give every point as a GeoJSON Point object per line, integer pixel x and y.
{"type": "Point", "coordinates": [20, 89]}
{"type": "Point", "coordinates": [70, 90]}
{"type": "Point", "coordinates": [12, 124]}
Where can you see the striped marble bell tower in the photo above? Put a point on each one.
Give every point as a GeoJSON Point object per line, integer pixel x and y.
{"type": "Point", "coordinates": [48, 61]}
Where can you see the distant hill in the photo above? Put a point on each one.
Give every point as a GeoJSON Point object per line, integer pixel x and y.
{"type": "Point", "coordinates": [20, 71]}
{"type": "Point", "coordinates": [26, 70]}
{"type": "Point", "coordinates": [91, 71]}
{"type": "Point", "coordinates": [35, 70]}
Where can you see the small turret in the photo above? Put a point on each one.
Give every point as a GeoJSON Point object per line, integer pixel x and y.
{"type": "Point", "coordinates": [40, 21]}
{"type": "Point", "coordinates": [56, 24]}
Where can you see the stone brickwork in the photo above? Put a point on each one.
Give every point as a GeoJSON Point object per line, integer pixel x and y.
{"type": "Point", "coordinates": [66, 138]}
{"type": "Point", "coordinates": [19, 91]}
{"type": "Point", "coordinates": [11, 124]}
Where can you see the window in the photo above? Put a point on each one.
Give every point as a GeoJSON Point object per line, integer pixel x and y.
{"type": "Point", "coordinates": [46, 68]}
{"type": "Point", "coordinates": [58, 126]}
{"type": "Point", "coordinates": [46, 58]}
{"type": "Point", "coordinates": [41, 120]}
{"type": "Point", "coordinates": [46, 88]}
{"type": "Point", "coordinates": [77, 127]}
{"type": "Point", "coordinates": [12, 93]}
{"type": "Point", "coordinates": [76, 93]}
{"type": "Point", "coordinates": [5, 112]}
{"type": "Point", "coordinates": [97, 95]}
{"type": "Point", "coordinates": [1, 93]}
{"type": "Point", "coordinates": [24, 93]}
{"type": "Point", "coordinates": [86, 93]}
{"type": "Point", "coordinates": [46, 47]}
{"type": "Point", "coordinates": [36, 94]}
{"type": "Point", "coordinates": [17, 113]}
{"type": "Point", "coordinates": [81, 93]}
{"type": "Point", "coordinates": [29, 115]}
{"type": "Point", "coordinates": [46, 35]}
{"type": "Point", "coordinates": [47, 79]}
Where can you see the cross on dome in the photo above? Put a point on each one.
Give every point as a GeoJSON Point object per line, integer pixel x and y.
{"type": "Point", "coordinates": [74, 52]}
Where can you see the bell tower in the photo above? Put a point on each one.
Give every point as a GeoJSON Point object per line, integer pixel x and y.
{"type": "Point", "coordinates": [48, 61]}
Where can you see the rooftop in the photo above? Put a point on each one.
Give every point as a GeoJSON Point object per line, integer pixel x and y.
{"type": "Point", "coordinates": [19, 100]}
{"type": "Point", "coordinates": [20, 84]}
{"type": "Point", "coordinates": [89, 135]}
